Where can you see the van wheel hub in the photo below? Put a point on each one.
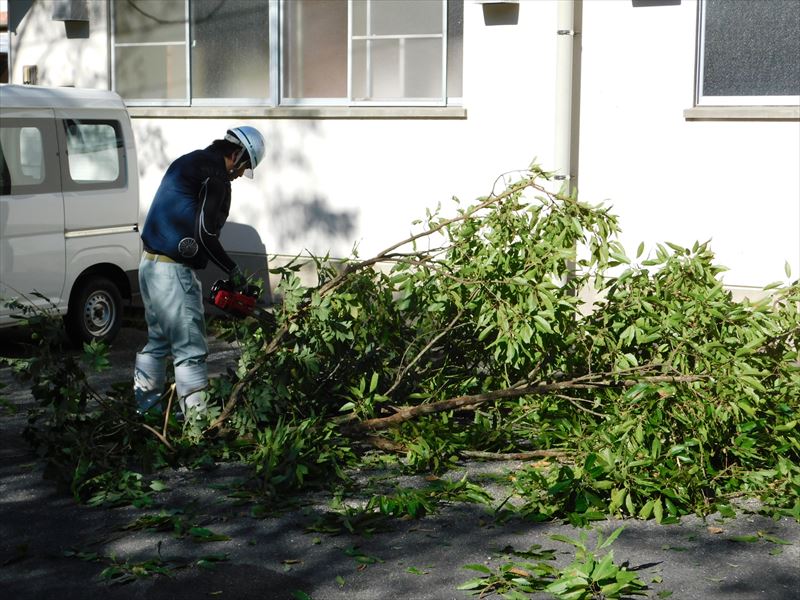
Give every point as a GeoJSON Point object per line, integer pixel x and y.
{"type": "Point", "coordinates": [99, 313]}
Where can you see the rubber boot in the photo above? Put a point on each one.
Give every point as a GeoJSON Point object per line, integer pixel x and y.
{"type": "Point", "coordinates": [149, 375]}
{"type": "Point", "coordinates": [191, 381]}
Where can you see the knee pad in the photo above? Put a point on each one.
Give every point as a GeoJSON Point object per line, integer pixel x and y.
{"type": "Point", "coordinates": [191, 381]}
{"type": "Point", "coordinates": [149, 376]}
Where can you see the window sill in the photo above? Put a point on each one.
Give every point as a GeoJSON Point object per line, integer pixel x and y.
{"type": "Point", "coordinates": [298, 112]}
{"type": "Point", "coordinates": [742, 113]}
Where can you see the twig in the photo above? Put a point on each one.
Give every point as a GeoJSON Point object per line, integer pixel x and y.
{"type": "Point", "coordinates": [575, 403]}
{"type": "Point", "coordinates": [171, 392]}
{"type": "Point", "coordinates": [157, 433]}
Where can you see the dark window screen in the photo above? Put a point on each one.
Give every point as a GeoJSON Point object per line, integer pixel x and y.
{"type": "Point", "coordinates": [751, 48]}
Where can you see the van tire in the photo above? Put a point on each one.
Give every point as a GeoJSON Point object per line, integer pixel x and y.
{"type": "Point", "coordinates": [95, 311]}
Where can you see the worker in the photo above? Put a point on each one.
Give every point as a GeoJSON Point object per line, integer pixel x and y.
{"type": "Point", "coordinates": [180, 235]}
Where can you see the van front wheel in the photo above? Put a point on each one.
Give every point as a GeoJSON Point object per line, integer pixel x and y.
{"type": "Point", "coordinates": [95, 311]}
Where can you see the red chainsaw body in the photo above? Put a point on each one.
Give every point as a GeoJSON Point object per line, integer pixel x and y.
{"type": "Point", "coordinates": [240, 303]}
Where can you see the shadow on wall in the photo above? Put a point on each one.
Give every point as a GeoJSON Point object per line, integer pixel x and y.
{"type": "Point", "coordinates": [150, 150]}
{"type": "Point", "coordinates": [294, 221]}
{"type": "Point", "coordinates": [47, 34]}
{"type": "Point", "coordinates": [308, 221]}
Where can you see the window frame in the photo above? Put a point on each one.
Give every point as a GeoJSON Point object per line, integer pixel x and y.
{"type": "Point", "coordinates": [701, 100]}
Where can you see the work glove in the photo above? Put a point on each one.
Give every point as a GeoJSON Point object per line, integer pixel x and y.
{"type": "Point", "coordinates": [236, 278]}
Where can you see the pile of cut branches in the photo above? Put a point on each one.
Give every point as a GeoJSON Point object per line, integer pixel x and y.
{"type": "Point", "coordinates": [474, 338]}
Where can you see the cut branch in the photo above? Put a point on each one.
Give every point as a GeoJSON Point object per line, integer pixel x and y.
{"type": "Point", "coordinates": [474, 400]}
{"type": "Point", "coordinates": [514, 455]}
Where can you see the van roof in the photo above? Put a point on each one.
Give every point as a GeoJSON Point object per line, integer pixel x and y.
{"type": "Point", "coordinates": [26, 96]}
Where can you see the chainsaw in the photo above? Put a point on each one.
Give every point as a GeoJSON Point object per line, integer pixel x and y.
{"type": "Point", "coordinates": [240, 303]}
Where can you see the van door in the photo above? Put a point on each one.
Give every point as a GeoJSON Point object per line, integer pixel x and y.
{"type": "Point", "coordinates": [32, 241]}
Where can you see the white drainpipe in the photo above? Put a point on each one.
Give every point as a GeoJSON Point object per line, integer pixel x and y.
{"type": "Point", "coordinates": [563, 118]}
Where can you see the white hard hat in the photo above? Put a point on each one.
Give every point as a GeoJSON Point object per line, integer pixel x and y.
{"type": "Point", "coordinates": [251, 140]}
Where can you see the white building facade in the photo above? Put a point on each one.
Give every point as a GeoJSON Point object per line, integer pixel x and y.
{"type": "Point", "coordinates": [681, 114]}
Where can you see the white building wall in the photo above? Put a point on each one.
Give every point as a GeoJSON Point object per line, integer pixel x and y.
{"type": "Point", "coordinates": [329, 184]}
{"type": "Point", "coordinates": [736, 183]}
{"type": "Point", "coordinates": [77, 62]}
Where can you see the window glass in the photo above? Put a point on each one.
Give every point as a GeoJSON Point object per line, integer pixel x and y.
{"type": "Point", "coordinates": [150, 21]}
{"type": "Point", "coordinates": [230, 49]}
{"type": "Point", "coordinates": [93, 151]}
{"type": "Point", "coordinates": [31, 154]}
{"type": "Point", "coordinates": [397, 52]}
{"type": "Point", "coordinates": [750, 49]}
{"type": "Point", "coordinates": [151, 72]}
{"type": "Point", "coordinates": [391, 69]}
{"type": "Point", "coordinates": [150, 49]}
{"type": "Point", "coordinates": [315, 49]}
{"type": "Point", "coordinates": [389, 17]}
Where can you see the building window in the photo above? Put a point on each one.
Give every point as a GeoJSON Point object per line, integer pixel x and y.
{"type": "Point", "coordinates": [181, 52]}
{"type": "Point", "coordinates": [748, 53]}
{"type": "Point", "coordinates": [287, 52]}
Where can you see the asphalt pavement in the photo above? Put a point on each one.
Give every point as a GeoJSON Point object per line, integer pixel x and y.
{"type": "Point", "coordinates": [53, 548]}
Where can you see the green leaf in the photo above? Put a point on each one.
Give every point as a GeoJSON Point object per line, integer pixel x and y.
{"type": "Point", "coordinates": [472, 584]}
{"type": "Point", "coordinates": [745, 538]}
{"type": "Point", "coordinates": [373, 384]}
{"type": "Point", "coordinates": [611, 538]}
{"type": "Point", "coordinates": [787, 268]}
{"type": "Point", "coordinates": [542, 324]}
{"type": "Point", "coordinates": [478, 567]}
{"type": "Point", "coordinates": [605, 568]}
{"type": "Point", "coordinates": [658, 510]}
{"type": "Point", "coordinates": [774, 540]}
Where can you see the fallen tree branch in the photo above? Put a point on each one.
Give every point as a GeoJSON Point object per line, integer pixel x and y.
{"type": "Point", "coordinates": [514, 455]}
{"type": "Point", "coordinates": [474, 400]}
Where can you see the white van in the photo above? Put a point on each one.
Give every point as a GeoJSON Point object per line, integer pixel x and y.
{"type": "Point", "coordinates": [69, 206]}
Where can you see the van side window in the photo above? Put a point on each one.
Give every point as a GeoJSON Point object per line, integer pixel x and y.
{"type": "Point", "coordinates": [27, 151]}
{"type": "Point", "coordinates": [96, 155]}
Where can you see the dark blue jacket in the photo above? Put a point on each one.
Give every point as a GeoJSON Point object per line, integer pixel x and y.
{"type": "Point", "coordinates": [189, 210]}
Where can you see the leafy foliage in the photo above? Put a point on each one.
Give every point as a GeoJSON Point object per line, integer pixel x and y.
{"type": "Point", "coordinates": [518, 324]}
{"type": "Point", "coordinates": [590, 576]}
